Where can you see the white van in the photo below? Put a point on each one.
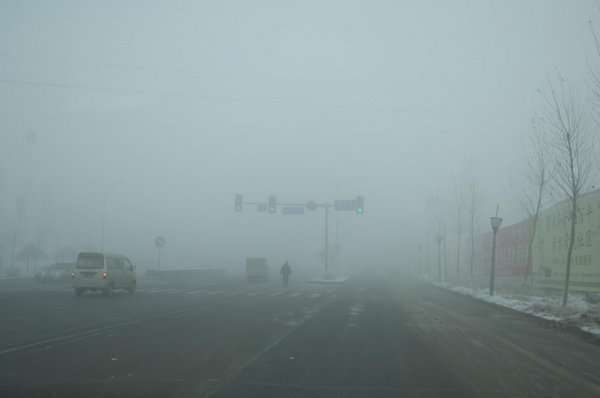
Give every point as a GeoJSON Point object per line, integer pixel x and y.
{"type": "Point", "coordinates": [103, 271]}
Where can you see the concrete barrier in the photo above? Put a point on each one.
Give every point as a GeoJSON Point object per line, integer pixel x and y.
{"type": "Point", "coordinates": [202, 273]}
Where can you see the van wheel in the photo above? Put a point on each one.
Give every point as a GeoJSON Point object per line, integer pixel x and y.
{"type": "Point", "coordinates": [79, 292]}
{"type": "Point", "coordinates": [132, 287]}
{"type": "Point", "coordinates": [109, 290]}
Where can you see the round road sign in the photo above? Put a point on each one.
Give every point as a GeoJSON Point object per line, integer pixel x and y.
{"type": "Point", "coordinates": [159, 241]}
{"type": "Point", "coordinates": [311, 205]}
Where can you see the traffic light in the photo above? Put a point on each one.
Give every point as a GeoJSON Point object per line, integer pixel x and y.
{"type": "Point", "coordinates": [360, 204]}
{"type": "Point", "coordinates": [272, 203]}
{"type": "Point", "coordinates": [238, 202]}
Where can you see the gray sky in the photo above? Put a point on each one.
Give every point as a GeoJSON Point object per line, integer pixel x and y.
{"type": "Point", "coordinates": [192, 102]}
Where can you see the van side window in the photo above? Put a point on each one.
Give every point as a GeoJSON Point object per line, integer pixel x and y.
{"type": "Point", "coordinates": [127, 264]}
{"type": "Point", "coordinates": [110, 263]}
{"type": "Point", "coordinates": [118, 264]}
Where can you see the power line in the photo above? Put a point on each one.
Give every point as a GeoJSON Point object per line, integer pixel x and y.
{"type": "Point", "coordinates": [246, 100]}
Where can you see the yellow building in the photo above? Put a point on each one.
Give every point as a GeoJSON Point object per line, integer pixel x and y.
{"type": "Point", "coordinates": [551, 245]}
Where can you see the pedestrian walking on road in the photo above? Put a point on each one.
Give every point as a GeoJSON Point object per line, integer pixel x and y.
{"type": "Point", "coordinates": [286, 271]}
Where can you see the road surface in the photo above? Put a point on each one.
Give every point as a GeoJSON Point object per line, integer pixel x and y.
{"type": "Point", "coordinates": [373, 336]}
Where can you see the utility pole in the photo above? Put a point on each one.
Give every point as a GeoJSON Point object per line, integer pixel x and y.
{"type": "Point", "coordinates": [439, 239]}
{"type": "Point", "coordinates": [420, 247]}
{"type": "Point", "coordinates": [326, 205]}
{"type": "Point", "coordinates": [428, 258]}
{"type": "Point", "coordinates": [105, 188]}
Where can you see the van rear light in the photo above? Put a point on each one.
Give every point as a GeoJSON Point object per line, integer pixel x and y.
{"type": "Point", "coordinates": [104, 275]}
{"type": "Point", "coordinates": [72, 275]}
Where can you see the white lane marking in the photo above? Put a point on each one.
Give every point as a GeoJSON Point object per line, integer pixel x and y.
{"type": "Point", "coordinates": [159, 291]}
{"type": "Point", "coordinates": [255, 293]}
{"type": "Point", "coordinates": [314, 295]}
{"type": "Point", "coordinates": [329, 291]}
{"type": "Point", "coordinates": [217, 292]}
{"type": "Point", "coordinates": [236, 293]}
{"type": "Point", "coordinates": [175, 291]}
{"type": "Point", "coordinates": [85, 334]}
{"type": "Point", "coordinates": [294, 294]}
{"type": "Point", "coordinates": [275, 294]}
{"type": "Point", "coordinates": [197, 291]}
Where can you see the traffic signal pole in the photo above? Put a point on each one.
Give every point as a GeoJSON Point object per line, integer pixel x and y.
{"type": "Point", "coordinates": [311, 206]}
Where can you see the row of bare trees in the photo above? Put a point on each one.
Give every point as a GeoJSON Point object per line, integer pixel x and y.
{"type": "Point", "coordinates": [466, 207]}
{"type": "Point", "coordinates": [557, 163]}
{"type": "Point", "coordinates": [558, 160]}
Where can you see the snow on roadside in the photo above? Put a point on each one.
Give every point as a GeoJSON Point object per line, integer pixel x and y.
{"type": "Point", "coordinates": [578, 312]}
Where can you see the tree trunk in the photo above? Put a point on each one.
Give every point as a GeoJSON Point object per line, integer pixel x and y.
{"type": "Point", "coordinates": [472, 245]}
{"type": "Point", "coordinates": [458, 258]}
{"type": "Point", "coordinates": [571, 243]}
{"type": "Point", "coordinates": [529, 266]}
{"type": "Point", "coordinates": [428, 259]}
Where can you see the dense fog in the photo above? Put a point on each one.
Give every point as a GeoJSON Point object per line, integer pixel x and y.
{"type": "Point", "coordinates": [169, 109]}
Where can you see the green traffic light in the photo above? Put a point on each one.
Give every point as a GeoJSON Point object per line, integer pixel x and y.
{"type": "Point", "coordinates": [359, 210]}
{"type": "Point", "coordinates": [271, 209]}
{"type": "Point", "coordinates": [237, 208]}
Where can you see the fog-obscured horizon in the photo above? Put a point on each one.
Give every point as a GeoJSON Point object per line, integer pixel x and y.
{"type": "Point", "coordinates": [182, 105]}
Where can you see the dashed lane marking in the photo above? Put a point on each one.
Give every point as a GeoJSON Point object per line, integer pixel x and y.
{"type": "Point", "coordinates": [274, 294]}
{"type": "Point", "coordinates": [217, 292]}
{"type": "Point", "coordinates": [254, 294]}
{"type": "Point", "coordinates": [197, 291]}
{"type": "Point", "coordinates": [295, 294]}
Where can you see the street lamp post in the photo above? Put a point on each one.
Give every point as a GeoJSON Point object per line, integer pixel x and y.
{"type": "Point", "coordinates": [439, 239]}
{"type": "Point", "coordinates": [496, 222]}
{"type": "Point", "coordinates": [104, 208]}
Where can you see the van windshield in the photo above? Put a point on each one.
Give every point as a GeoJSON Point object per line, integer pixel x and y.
{"type": "Point", "coordinates": [90, 261]}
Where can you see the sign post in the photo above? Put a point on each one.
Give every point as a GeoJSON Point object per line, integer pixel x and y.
{"type": "Point", "coordinates": [159, 242]}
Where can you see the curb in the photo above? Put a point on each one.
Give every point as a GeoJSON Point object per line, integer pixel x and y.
{"type": "Point", "coordinates": [558, 325]}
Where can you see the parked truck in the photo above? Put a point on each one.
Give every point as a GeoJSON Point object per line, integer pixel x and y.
{"type": "Point", "coordinates": [257, 269]}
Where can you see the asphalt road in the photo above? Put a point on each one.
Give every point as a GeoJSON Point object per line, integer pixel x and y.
{"type": "Point", "coordinates": [373, 336]}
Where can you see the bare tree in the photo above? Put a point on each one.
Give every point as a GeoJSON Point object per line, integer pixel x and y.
{"type": "Point", "coordinates": [474, 201]}
{"type": "Point", "coordinates": [528, 183]}
{"type": "Point", "coordinates": [571, 149]}
{"type": "Point", "coordinates": [19, 217]}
